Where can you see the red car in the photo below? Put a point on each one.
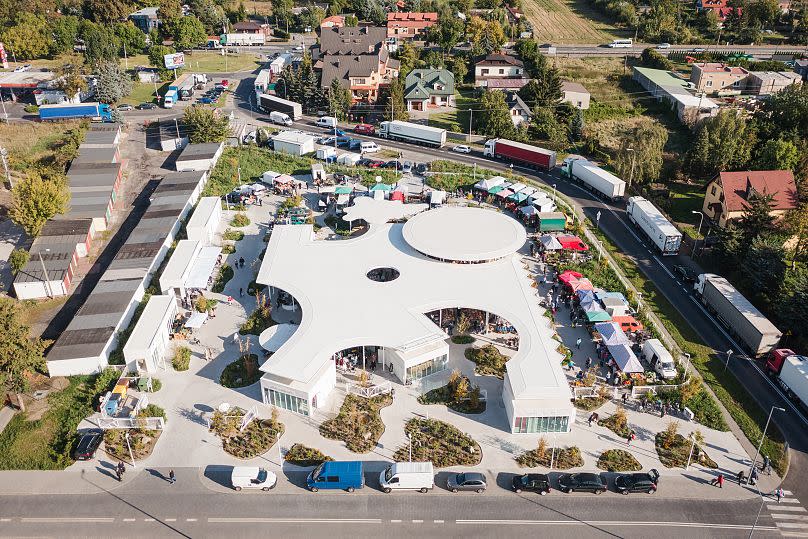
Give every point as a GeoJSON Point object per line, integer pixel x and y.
{"type": "Point", "coordinates": [365, 129]}
{"type": "Point", "coordinates": [373, 163]}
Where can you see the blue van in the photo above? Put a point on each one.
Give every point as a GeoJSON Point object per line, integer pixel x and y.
{"type": "Point", "coordinates": [336, 475]}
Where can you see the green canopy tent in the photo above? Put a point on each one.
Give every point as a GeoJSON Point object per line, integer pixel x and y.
{"type": "Point", "coordinates": [598, 316]}
{"type": "Point", "coordinates": [382, 187]}
{"type": "Point", "coordinates": [518, 197]}
{"type": "Point", "coordinates": [496, 189]}
{"type": "Point", "coordinates": [343, 190]}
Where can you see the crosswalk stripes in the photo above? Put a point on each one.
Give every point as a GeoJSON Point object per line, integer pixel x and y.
{"type": "Point", "coordinates": [790, 517]}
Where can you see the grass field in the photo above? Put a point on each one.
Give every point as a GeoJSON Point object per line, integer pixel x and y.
{"type": "Point", "coordinates": [143, 92]}
{"type": "Point", "coordinates": [456, 120]}
{"type": "Point", "coordinates": [32, 142]}
{"type": "Point", "coordinates": [569, 22]}
{"type": "Point", "coordinates": [208, 62]}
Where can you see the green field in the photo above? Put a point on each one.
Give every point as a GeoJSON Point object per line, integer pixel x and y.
{"type": "Point", "coordinates": [143, 92]}
{"type": "Point", "coordinates": [208, 62]}
{"type": "Point", "coordinates": [456, 120]}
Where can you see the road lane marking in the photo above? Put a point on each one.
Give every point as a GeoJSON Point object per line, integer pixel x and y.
{"type": "Point", "coordinates": [129, 519]}
{"type": "Point", "coordinates": [417, 521]}
{"type": "Point", "coordinates": [619, 523]}
{"type": "Point", "coordinates": [395, 521]}
{"type": "Point", "coordinates": [789, 500]}
{"type": "Point", "coordinates": [237, 520]}
{"type": "Point", "coordinates": [438, 521]}
{"type": "Point", "coordinates": [789, 516]}
{"type": "Point", "coordinates": [171, 520]}
{"type": "Point", "coordinates": [190, 520]}
{"type": "Point", "coordinates": [793, 534]}
{"type": "Point", "coordinates": [787, 508]}
{"type": "Point", "coordinates": [792, 525]}
{"type": "Point", "coordinates": [65, 519]}
{"type": "Point", "coordinates": [5, 520]}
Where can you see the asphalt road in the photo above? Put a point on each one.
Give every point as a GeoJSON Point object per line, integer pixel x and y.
{"type": "Point", "coordinates": [150, 507]}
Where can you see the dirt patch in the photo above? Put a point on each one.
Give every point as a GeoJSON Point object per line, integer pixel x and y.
{"type": "Point", "coordinates": [568, 21]}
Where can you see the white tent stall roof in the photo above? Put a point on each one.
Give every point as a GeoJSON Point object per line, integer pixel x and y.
{"type": "Point", "coordinates": [437, 197]}
{"type": "Point", "coordinates": [487, 184]}
{"type": "Point", "coordinates": [196, 320]}
{"type": "Point", "coordinates": [202, 267]}
{"type": "Point", "coordinates": [625, 358]}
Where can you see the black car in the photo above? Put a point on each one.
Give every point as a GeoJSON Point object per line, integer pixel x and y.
{"type": "Point", "coordinates": [637, 482]}
{"type": "Point", "coordinates": [393, 164]}
{"type": "Point", "coordinates": [88, 444]}
{"type": "Point", "coordinates": [531, 482]}
{"type": "Point", "coordinates": [420, 168]}
{"type": "Point", "coordinates": [686, 274]}
{"type": "Point", "coordinates": [146, 106]}
{"type": "Point", "coordinates": [581, 482]}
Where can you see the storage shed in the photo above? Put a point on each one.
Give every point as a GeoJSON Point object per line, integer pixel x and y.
{"type": "Point", "coordinates": [205, 220]}
{"type": "Point", "coordinates": [190, 266]}
{"type": "Point", "coordinates": [294, 143]}
{"type": "Point", "coordinates": [145, 350]}
{"type": "Point", "coordinates": [195, 157]}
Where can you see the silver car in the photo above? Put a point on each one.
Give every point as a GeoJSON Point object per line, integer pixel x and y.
{"type": "Point", "coordinates": [467, 481]}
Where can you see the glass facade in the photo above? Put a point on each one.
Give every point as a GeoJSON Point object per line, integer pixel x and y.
{"type": "Point", "coordinates": [540, 424]}
{"type": "Point", "coordinates": [286, 401]}
{"type": "Point", "coordinates": [426, 368]}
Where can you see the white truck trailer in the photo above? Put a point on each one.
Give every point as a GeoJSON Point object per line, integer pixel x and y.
{"type": "Point", "coordinates": [595, 178]}
{"type": "Point", "coordinates": [410, 132]}
{"type": "Point", "coordinates": [654, 225]}
{"type": "Point", "coordinates": [244, 39]}
{"type": "Point", "coordinates": [737, 314]}
{"type": "Point", "coordinates": [794, 377]}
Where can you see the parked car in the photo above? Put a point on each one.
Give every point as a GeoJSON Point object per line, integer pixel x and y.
{"type": "Point", "coordinates": [374, 163]}
{"type": "Point", "coordinates": [252, 477]}
{"type": "Point", "coordinates": [461, 149]}
{"type": "Point", "coordinates": [581, 482]}
{"type": "Point", "coordinates": [637, 482]}
{"type": "Point", "coordinates": [406, 167]}
{"type": "Point", "coordinates": [664, 46]}
{"type": "Point", "coordinates": [364, 129]}
{"type": "Point", "coordinates": [422, 168]}
{"type": "Point", "coordinates": [146, 106]}
{"type": "Point", "coordinates": [123, 107]}
{"type": "Point", "coordinates": [698, 50]}
{"type": "Point", "coordinates": [467, 481]}
{"type": "Point", "coordinates": [20, 69]}
{"type": "Point", "coordinates": [531, 482]}
{"type": "Point", "coordinates": [88, 444]}
{"type": "Point", "coordinates": [394, 164]}
{"type": "Point", "coordinates": [205, 100]}
{"type": "Point", "coordinates": [685, 273]}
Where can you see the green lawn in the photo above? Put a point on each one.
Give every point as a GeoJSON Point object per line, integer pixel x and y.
{"type": "Point", "coordinates": [685, 199]}
{"type": "Point", "coordinates": [208, 62]}
{"type": "Point", "coordinates": [143, 92]}
{"type": "Point", "coordinates": [455, 120]}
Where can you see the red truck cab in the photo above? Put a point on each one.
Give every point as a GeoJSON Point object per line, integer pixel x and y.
{"type": "Point", "coordinates": [774, 363]}
{"type": "Point", "coordinates": [365, 129]}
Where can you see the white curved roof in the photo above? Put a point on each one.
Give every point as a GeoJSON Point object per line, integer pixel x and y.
{"type": "Point", "coordinates": [464, 234]}
{"type": "Point", "coordinates": [342, 308]}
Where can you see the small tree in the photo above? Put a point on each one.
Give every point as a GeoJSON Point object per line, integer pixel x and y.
{"type": "Point", "coordinates": [669, 434]}
{"type": "Point", "coordinates": [541, 449]}
{"type": "Point", "coordinates": [113, 82]}
{"type": "Point", "coordinates": [206, 125]}
{"type": "Point", "coordinates": [461, 390]}
{"type": "Point", "coordinates": [474, 397]}
{"type": "Point", "coordinates": [620, 418]}
{"type": "Point", "coordinates": [36, 199]}
{"type": "Point", "coordinates": [454, 378]}
{"type": "Point", "coordinates": [18, 259]}
{"type": "Point", "coordinates": [463, 324]}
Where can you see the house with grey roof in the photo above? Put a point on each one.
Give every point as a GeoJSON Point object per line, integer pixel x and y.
{"type": "Point", "coordinates": [429, 88]}
{"type": "Point", "coordinates": [576, 94]}
{"type": "Point", "coordinates": [520, 112]}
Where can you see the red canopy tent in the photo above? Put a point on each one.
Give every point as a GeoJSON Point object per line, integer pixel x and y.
{"type": "Point", "coordinates": [569, 275]}
{"type": "Point", "coordinates": [581, 284]}
{"type": "Point", "coordinates": [572, 243]}
{"type": "Point", "coordinates": [397, 195]}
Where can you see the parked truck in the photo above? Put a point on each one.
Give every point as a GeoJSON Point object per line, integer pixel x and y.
{"type": "Point", "coordinates": [519, 152]}
{"type": "Point", "coordinates": [791, 372]}
{"type": "Point", "coordinates": [737, 314]}
{"type": "Point", "coordinates": [242, 39]}
{"type": "Point", "coordinates": [262, 81]}
{"type": "Point", "coordinates": [594, 177]}
{"type": "Point", "coordinates": [414, 133]}
{"type": "Point", "coordinates": [271, 103]}
{"type": "Point", "coordinates": [66, 111]}
{"type": "Point", "coordinates": [654, 225]}
{"type": "Point", "coordinates": [170, 98]}
{"type": "Point", "coordinates": [184, 86]}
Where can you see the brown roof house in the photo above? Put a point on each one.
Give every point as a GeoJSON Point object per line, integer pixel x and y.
{"type": "Point", "coordinates": [714, 77]}
{"type": "Point", "coordinates": [408, 25]}
{"type": "Point", "coordinates": [728, 194]}
{"type": "Point", "coordinates": [497, 66]}
{"type": "Point", "coordinates": [576, 94]}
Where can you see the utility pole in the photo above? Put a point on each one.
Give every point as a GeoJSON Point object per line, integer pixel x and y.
{"type": "Point", "coordinates": [177, 127]}
{"type": "Point", "coordinates": [4, 158]}
{"type": "Point", "coordinates": [48, 290]}
{"type": "Point", "coordinates": [471, 114]}
{"type": "Point", "coordinates": [631, 174]}
{"type": "Point", "coordinates": [3, 102]}
{"type": "Point", "coordinates": [125, 58]}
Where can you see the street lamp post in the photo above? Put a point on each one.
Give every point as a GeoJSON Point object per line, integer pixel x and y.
{"type": "Point", "coordinates": [687, 365]}
{"type": "Point", "coordinates": [600, 248]}
{"type": "Point", "coordinates": [729, 354]}
{"type": "Point", "coordinates": [763, 437]}
{"type": "Point", "coordinates": [131, 456]}
{"type": "Point", "coordinates": [631, 174]}
{"type": "Point", "coordinates": [692, 446]}
{"type": "Point", "coordinates": [698, 232]}
{"type": "Point", "coordinates": [597, 220]}
{"type": "Point", "coordinates": [554, 193]}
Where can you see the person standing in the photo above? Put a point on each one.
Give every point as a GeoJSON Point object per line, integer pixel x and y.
{"type": "Point", "coordinates": [171, 477]}
{"type": "Point", "coordinates": [780, 494]}
{"type": "Point", "coordinates": [753, 476]}
{"type": "Point", "coordinates": [741, 477]}
{"type": "Point", "coordinates": [578, 343]}
{"type": "Point", "coordinates": [241, 292]}
{"type": "Point", "coordinates": [589, 363]}
{"type": "Point", "coordinates": [118, 473]}
{"type": "Point", "coordinates": [767, 465]}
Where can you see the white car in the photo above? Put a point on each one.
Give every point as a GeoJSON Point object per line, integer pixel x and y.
{"type": "Point", "coordinates": [22, 68]}
{"type": "Point", "coordinates": [299, 48]}
{"type": "Point", "coordinates": [461, 149]}
{"type": "Point", "coordinates": [664, 46]}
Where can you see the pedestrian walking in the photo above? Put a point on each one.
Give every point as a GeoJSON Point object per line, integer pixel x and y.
{"type": "Point", "coordinates": [241, 292]}
{"type": "Point", "coordinates": [780, 494]}
{"type": "Point", "coordinates": [589, 363]}
{"type": "Point", "coordinates": [741, 477]}
{"type": "Point", "coordinates": [229, 300]}
{"type": "Point", "coordinates": [592, 417]}
{"type": "Point", "coordinates": [753, 476]}
{"type": "Point", "coordinates": [625, 398]}
{"type": "Point", "coordinates": [118, 474]}
{"type": "Point", "coordinates": [171, 477]}
{"type": "Point", "coordinates": [718, 481]}
{"type": "Point", "coordinates": [578, 343]}
{"type": "Point", "coordinates": [241, 261]}
{"type": "Point", "coordinates": [767, 465]}
{"type": "Point", "coordinates": [631, 436]}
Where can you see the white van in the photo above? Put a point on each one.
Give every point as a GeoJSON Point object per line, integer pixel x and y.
{"type": "Point", "coordinates": [326, 121]}
{"type": "Point", "coordinates": [280, 118]}
{"type": "Point", "coordinates": [269, 176]}
{"type": "Point", "coordinates": [369, 147]}
{"type": "Point", "coordinates": [659, 358]}
{"type": "Point", "coordinates": [408, 476]}
{"type": "Point", "coordinates": [252, 477]}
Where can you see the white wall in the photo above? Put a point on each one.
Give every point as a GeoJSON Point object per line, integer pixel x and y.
{"type": "Point", "coordinates": [38, 290]}
{"type": "Point", "coordinates": [72, 367]}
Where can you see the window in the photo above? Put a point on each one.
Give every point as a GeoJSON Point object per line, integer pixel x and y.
{"type": "Point", "coordinates": [286, 401]}
{"type": "Point", "coordinates": [484, 71]}
{"type": "Point", "coordinates": [540, 424]}
{"type": "Point", "coordinates": [427, 368]}
{"type": "Point", "coordinates": [359, 81]}
{"type": "Point", "coordinates": [737, 82]}
{"type": "Point", "coordinates": [709, 84]}
{"type": "Point", "coordinates": [501, 71]}
{"type": "Point", "coordinates": [713, 189]}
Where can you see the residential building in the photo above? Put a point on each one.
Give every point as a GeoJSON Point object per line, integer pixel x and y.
{"type": "Point", "coordinates": [506, 85]}
{"type": "Point", "coordinates": [520, 111]}
{"type": "Point", "coordinates": [715, 77]}
{"type": "Point", "coordinates": [145, 19]}
{"type": "Point", "coordinates": [514, 15]}
{"type": "Point", "coordinates": [728, 194]}
{"type": "Point", "coordinates": [497, 66]}
{"type": "Point", "coordinates": [252, 27]}
{"type": "Point", "coordinates": [334, 21]}
{"type": "Point", "coordinates": [801, 68]}
{"type": "Point", "coordinates": [770, 82]}
{"type": "Point", "coordinates": [666, 86]}
{"type": "Point", "coordinates": [576, 94]}
{"type": "Point", "coordinates": [429, 88]}
{"type": "Point", "coordinates": [719, 7]}
{"type": "Point", "coordinates": [409, 25]}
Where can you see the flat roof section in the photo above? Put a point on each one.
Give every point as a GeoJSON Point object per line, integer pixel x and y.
{"type": "Point", "coordinates": [95, 155]}
{"type": "Point", "coordinates": [192, 152]}
{"type": "Point", "coordinates": [460, 234]}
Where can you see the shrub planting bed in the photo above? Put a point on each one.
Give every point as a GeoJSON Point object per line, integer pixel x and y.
{"type": "Point", "coordinates": [562, 458]}
{"type": "Point", "coordinates": [240, 220]}
{"type": "Point", "coordinates": [242, 372]}
{"type": "Point", "coordinates": [301, 455]}
{"type": "Point", "coordinates": [617, 423]}
{"type": "Point", "coordinates": [358, 423]}
{"type": "Point", "coordinates": [618, 460]}
{"type": "Point", "coordinates": [673, 451]}
{"type": "Point", "coordinates": [458, 395]}
{"type": "Point", "coordinates": [141, 440]}
{"type": "Point", "coordinates": [463, 339]}
{"type": "Point", "coordinates": [440, 443]}
{"type": "Point", "coordinates": [182, 359]}
{"type": "Point", "coordinates": [254, 440]}
{"type": "Point", "coordinates": [489, 360]}
{"type": "Point", "coordinates": [233, 235]}
{"type": "Point", "coordinates": [260, 319]}
{"type": "Point", "coordinates": [589, 403]}
{"type": "Point", "coordinates": [225, 274]}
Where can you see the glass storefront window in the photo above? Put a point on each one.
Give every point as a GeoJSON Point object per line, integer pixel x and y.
{"type": "Point", "coordinates": [286, 401]}
{"type": "Point", "coordinates": [540, 424]}
{"type": "Point", "coordinates": [427, 368]}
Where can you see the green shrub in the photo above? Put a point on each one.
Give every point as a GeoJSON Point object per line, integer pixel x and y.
{"type": "Point", "coordinates": [562, 458]}
{"type": "Point", "coordinates": [359, 423]}
{"type": "Point", "coordinates": [152, 410]}
{"type": "Point", "coordinates": [31, 109]}
{"type": "Point", "coordinates": [240, 220]}
{"type": "Point", "coordinates": [440, 443]}
{"type": "Point", "coordinates": [233, 235]}
{"type": "Point", "coordinates": [18, 259]}
{"type": "Point", "coordinates": [463, 339]}
{"type": "Point", "coordinates": [242, 372]}
{"type": "Point", "coordinates": [225, 274]}
{"type": "Point", "coordinates": [157, 385]}
{"type": "Point", "coordinates": [182, 359]}
{"type": "Point", "coordinates": [489, 360]}
{"type": "Point", "coordinates": [228, 249]}
{"type": "Point", "coordinates": [301, 455]}
{"type": "Point", "coordinates": [618, 460]}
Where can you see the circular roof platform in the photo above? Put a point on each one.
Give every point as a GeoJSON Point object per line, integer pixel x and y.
{"type": "Point", "coordinates": [461, 234]}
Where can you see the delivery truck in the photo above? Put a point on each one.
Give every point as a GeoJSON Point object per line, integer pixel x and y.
{"type": "Point", "coordinates": [418, 476]}
{"type": "Point", "coordinates": [271, 103]}
{"type": "Point", "coordinates": [519, 152]}
{"type": "Point", "coordinates": [414, 133]}
{"type": "Point", "coordinates": [594, 178]}
{"type": "Point", "coordinates": [791, 373]}
{"type": "Point", "coordinates": [68, 111]}
{"type": "Point", "coordinates": [654, 225]}
{"type": "Point", "coordinates": [737, 314]}
{"type": "Point", "coordinates": [336, 475]}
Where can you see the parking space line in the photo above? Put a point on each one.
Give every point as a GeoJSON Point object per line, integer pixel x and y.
{"type": "Point", "coordinates": [781, 508]}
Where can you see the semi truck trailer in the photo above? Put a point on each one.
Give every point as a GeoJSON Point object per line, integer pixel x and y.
{"type": "Point", "coordinates": [239, 39]}
{"type": "Point", "coordinates": [271, 103]}
{"type": "Point", "coordinates": [654, 225]}
{"type": "Point", "coordinates": [594, 177]}
{"type": "Point", "coordinates": [737, 314]}
{"type": "Point", "coordinates": [790, 370]}
{"type": "Point", "coordinates": [67, 111]}
{"type": "Point", "coordinates": [519, 152]}
{"type": "Point", "coordinates": [414, 133]}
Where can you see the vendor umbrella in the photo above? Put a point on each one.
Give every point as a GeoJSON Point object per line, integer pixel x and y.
{"type": "Point", "coordinates": [529, 210]}
{"type": "Point", "coordinates": [196, 320]}
{"type": "Point", "coordinates": [494, 190]}
{"type": "Point", "coordinates": [343, 190]}
{"type": "Point", "coordinates": [569, 275]}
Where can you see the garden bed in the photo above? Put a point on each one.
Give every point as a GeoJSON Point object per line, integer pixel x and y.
{"type": "Point", "coordinates": [463, 339]}
{"type": "Point", "coordinates": [440, 443]}
{"type": "Point", "coordinates": [182, 359]}
{"type": "Point", "coordinates": [260, 319]}
{"type": "Point", "coordinates": [242, 372]}
{"type": "Point", "coordinates": [618, 460]}
{"type": "Point", "coordinates": [562, 458]}
{"type": "Point", "coordinates": [457, 395]}
{"type": "Point", "coordinates": [617, 423]}
{"type": "Point", "coordinates": [358, 423]}
{"type": "Point", "coordinates": [301, 455]}
{"type": "Point", "coordinates": [589, 403]}
{"type": "Point", "coordinates": [256, 439]}
{"type": "Point", "coordinates": [225, 274]}
{"type": "Point", "coordinates": [489, 360]}
{"type": "Point", "coordinates": [240, 220]}
{"type": "Point", "coordinates": [141, 440]}
{"type": "Point", "coordinates": [233, 235]}
{"type": "Point", "coordinates": [673, 452]}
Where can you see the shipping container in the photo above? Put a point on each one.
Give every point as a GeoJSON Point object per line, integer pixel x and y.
{"type": "Point", "coordinates": [654, 225]}
{"type": "Point", "coordinates": [519, 152]}
{"type": "Point", "coordinates": [242, 39]}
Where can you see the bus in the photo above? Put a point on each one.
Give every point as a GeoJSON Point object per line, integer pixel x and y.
{"type": "Point", "coordinates": [621, 44]}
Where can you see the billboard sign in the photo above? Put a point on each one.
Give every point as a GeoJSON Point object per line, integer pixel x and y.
{"type": "Point", "coordinates": [175, 60]}
{"type": "Point", "coordinates": [3, 57]}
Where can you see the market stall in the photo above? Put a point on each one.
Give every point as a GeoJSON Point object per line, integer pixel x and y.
{"type": "Point", "coordinates": [611, 333]}
{"type": "Point", "coordinates": [625, 360]}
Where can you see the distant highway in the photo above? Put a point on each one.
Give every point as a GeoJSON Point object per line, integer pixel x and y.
{"type": "Point", "coordinates": [764, 52]}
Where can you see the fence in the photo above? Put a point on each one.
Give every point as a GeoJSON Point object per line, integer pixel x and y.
{"type": "Point", "coordinates": [148, 423]}
{"type": "Point", "coordinates": [639, 391]}
{"type": "Point", "coordinates": [369, 391]}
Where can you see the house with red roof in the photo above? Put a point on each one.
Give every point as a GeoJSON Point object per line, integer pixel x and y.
{"type": "Point", "coordinates": [719, 7]}
{"type": "Point", "coordinates": [334, 21]}
{"type": "Point", "coordinates": [409, 25]}
{"type": "Point", "coordinates": [728, 194]}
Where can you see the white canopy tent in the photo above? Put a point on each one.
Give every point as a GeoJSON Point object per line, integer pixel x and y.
{"type": "Point", "coordinates": [202, 268]}
{"type": "Point", "coordinates": [437, 197]}
{"type": "Point", "coordinates": [196, 320]}
{"type": "Point", "coordinates": [550, 243]}
{"type": "Point", "coordinates": [625, 358]}
{"type": "Point", "coordinates": [487, 184]}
